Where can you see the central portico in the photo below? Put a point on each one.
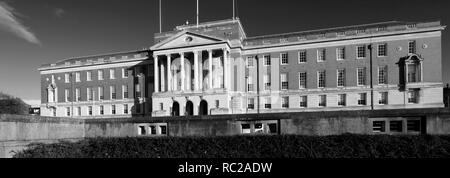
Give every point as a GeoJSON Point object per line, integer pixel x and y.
{"type": "Point", "coordinates": [191, 75]}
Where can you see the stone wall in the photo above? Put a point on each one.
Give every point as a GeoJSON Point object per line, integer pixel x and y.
{"type": "Point", "coordinates": [18, 131]}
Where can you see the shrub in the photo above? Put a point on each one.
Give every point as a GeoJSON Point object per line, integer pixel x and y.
{"type": "Point", "coordinates": [280, 146]}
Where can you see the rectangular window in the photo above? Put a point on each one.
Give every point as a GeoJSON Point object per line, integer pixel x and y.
{"type": "Point", "coordinates": [77, 94]}
{"type": "Point", "coordinates": [138, 108]}
{"type": "Point", "coordinates": [360, 52]}
{"type": "Point", "coordinates": [138, 90]}
{"type": "Point", "coordinates": [396, 126]}
{"type": "Point", "coordinates": [322, 100]}
{"type": "Point", "coordinates": [383, 98]}
{"type": "Point", "coordinates": [88, 76]}
{"type": "Point", "coordinates": [259, 128]}
{"type": "Point", "coordinates": [341, 77]}
{"type": "Point", "coordinates": [68, 111]}
{"type": "Point", "coordinates": [362, 98]}
{"type": "Point", "coordinates": [321, 55]}
{"type": "Point", "coordinates": [413, 74]}
{"type": "Point", "coordinates": [89, 110]}
{"type": "Point", "coordinates": [102, 110]}
{"type": "Point", "coordinates": [251, 103]}
{"type": "Point", "coordinates": [67, 78]}
{"type": "Point", "coordinates": [342, 100]}
{"type": "Point", "coordinates": [66, 95]}
{"type": "Point", "coordinates": [413, 96]}
{"type": "Point", "coordinates": [112, 74]}
{"type": "Point", "coordinates": [382, 75]}
{"type": "Point", "coordinates": [268, 103]}
{"type": "Point", "coordinates": [379, 126]}
{"type": "Point", "coordinates": [141, 130]}
{"type": "Point", "coordinates": [321, 79]}
{"type": "Point", "coordinates": [113, 109]}
{"type": "Point", "coordinates": [284, 82]}
{"type": "Point", "coordinates": [302, 80]}
{"type": "Point", "coordinates": [245, 128]}
{"type": "Point", "coordinates": [161, 106]}
{"type": "Point", "coordinates": [124, 73]}
{"type": "Point", "coordinates": [152, 130]}
{"type": "Point", "coordinates": [217, 104]}
{"type": "Point", "coordinates": [125, 91]}
{"type": "Point", "coordinates": [79, 111]}
{"type": "Point", "coordinates": [361, 76]}
{"type": "Point", "coordinates": [284, 58]}
{"type": "Point", "coordinates": [101, 95]}
{"type": "Point", "coordinates": [113, 92]}
{"type": "Point", "coordinates": [89, 94]}
{"type": "Point", "coordinates": [100, 74]}
{"type": "Point", "coordinates": [250, 60]}
{"type": "Point", "coordinates": [272, 128]}
{"type": "Point", "coordinates": [267, 60]}
{"type": "Point", "coordinates": [413, 125]}
{"type": "Point", "coordinates": [303, 101]}
{"type": "Point", "coordinates": [163, 129]}
{"type": "Point", "coordinates": [77, 77]}
{"type": "Point", "coordinates": [412, 47]}
{"type": "Point", "coordinates": [301, 56]}
{"type": "Point", "coordinates": [125, 108]}
{"type": "Point", "coordinates": [267, 83]}
{"type": "Point", "coordinates": [250, 84]}
{"type": "Point", "coordinates": [285, 102]}
{"type": "Point", "coordinates": [340, 53]}
{"type": "Point", "coordinates": [382, 50]}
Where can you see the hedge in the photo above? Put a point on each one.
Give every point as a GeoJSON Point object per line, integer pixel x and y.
{"type": "Point", "coordinates": [264, 146]}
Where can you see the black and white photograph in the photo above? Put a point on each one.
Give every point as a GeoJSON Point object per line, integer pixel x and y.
{"type": "Point", "coordinates": [224, 87]}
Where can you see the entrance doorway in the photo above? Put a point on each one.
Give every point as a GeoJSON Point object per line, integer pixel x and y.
{"type": "Point", "coordinates": [176, 109]}
{"type": "Point", "coordinates": [189, 108]}
{"type": "Point", "coordinates": [203, 110]}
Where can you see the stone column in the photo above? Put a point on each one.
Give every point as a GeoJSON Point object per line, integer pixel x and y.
{"type": "Point", "coordinates": [183, 77]}
{"type": "Point", "coordinates": [210, 79]}
{"type": "Point", "coordinates": [155, 64]}
{"type": "Point", "coordinates": [169, 73]}
{"type": "Point", "coordinates": [225, 68]}
{"type": "Point", "coordinates": [162, 78]}
{"type": "Point", "coordinates": [196, 71]}
{"type": "Point", "coordinates": [201, 71]}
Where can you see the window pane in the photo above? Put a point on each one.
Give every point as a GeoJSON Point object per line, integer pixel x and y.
{"type": "Point", "coordinates": [379, 126]}
{"type": "Point", "coordinates": [396, 126]}
{"type": "Point", "coordinates": [413, 125]}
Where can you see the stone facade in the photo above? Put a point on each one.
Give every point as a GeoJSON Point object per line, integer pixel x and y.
{"type": "Point", "coordinates": [213, 69]}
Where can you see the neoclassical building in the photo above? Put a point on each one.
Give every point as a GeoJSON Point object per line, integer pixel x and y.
{"type": "Point", "coordinates": [213, 68]}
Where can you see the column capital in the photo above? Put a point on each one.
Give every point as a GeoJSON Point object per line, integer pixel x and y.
{"type": "Point", "coordinates": [181, 53]}
{"type": "Point", "coordinates": [169, 55]}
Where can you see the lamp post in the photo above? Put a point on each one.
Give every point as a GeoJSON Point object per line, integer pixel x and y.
{"type": "Point", "coordinates": [257, 80]}
{"type": "Point", "coordinates": [71, 99]}
{"type": "Point", "coordinates": [371, 79]}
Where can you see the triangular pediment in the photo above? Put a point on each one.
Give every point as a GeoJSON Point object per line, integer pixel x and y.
{"type": "Point", "coordinates": [184, 39]}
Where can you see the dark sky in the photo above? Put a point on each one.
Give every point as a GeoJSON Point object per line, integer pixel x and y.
{"type": "Point", "coordinates": [33, 32]}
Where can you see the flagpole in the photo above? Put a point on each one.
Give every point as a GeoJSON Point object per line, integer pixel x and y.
{"type": "Point", "coordinates": [234, 14]}
{"type": "Point", "coordinates": [197, 13]}
{"type": "Point", "coordinates": [160, 18]}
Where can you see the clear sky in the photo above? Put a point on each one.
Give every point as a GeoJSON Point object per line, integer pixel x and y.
{"type": "Point", "coordinates": [34, 32]}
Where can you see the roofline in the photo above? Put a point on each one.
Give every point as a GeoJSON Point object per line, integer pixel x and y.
{"type": "Point", "coordinates": [333, 28]}
{"type": "Point", "coordinates": [102, 54]}
{"type": "Point", "coordinates": [328, 40]}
